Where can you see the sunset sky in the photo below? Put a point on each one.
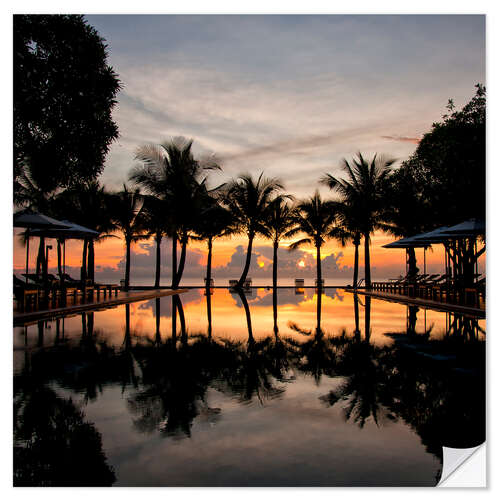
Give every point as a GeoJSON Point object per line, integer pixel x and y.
{"type": "Point", "coordinates": [287, 95]}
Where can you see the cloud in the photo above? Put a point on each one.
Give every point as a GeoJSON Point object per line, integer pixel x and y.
{"type": "Point", "coordinates": [402, 138]}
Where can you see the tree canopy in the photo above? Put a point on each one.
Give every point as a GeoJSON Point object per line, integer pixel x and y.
{"type": "Point", "coordinates": [448, 167]}
{"type": "Point", "coordinates": [64, 93]}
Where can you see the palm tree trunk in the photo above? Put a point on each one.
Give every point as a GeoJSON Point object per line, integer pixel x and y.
{"type": "Point", "coordinates": [91, 266]}
{"type": "Point", "coordinates": [209, 266]}
{"type": "Point", "coordinates": [127, 264]}
{"type": "Point", "coordinates": [174, 259]}
{"type": "Point", "coordinates": [412, 263]}
{"type": "Point", "coordinates": [59, 267]}
{"type": "Point", "coordinates": [83, 274]}
{"type": "Point", "coordinates": [368, 277]}
{"type": "Point", "coordinates": [356, 264]}
{"type": "Point", "coordinates": [41, 256]}
{"type": "Point", "coordinates": [182, 261]}
{"type": "Point", "coordinates": [318, 266]}
{"type": "Point", "coordinates": [275, 264]}
{"type": "Point", "coordinates": [158, 260]}
{"type": "Point", "coordinates": [247, 262]}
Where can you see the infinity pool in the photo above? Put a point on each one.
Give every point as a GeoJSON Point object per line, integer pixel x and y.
{"type": "Point", "coordinates": [264, 389]}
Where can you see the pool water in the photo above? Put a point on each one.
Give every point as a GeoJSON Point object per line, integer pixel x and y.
{"type": "Point", "coordinates": [263, 389]}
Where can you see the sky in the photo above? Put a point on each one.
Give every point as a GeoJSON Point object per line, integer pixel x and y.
{"type": "Point", "coordinates": [287, 95]}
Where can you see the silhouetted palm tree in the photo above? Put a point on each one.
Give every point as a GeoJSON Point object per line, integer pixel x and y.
{"type": "Point", "coordinates": [317, 220]}
{"type": "Point", "coordinates": [278, 222]}
{"type": "Point", "coordinates": [157, 225]}
{"type": "Point", "coordinates": [88, 205]}
{"type": "Point", "coordinates": [126, 208]}
{"type": "Point", "coordinates": [363, 190]}
{"type": "Point", "coordinates": [248, 202]}
{"type": "Point", "coordinates": [171, 173]}
{"type": "Point", "coordinates": [215, 221]}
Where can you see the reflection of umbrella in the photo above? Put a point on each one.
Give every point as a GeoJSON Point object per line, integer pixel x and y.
{"type": "Point", "coordinates": [72, 231]}
{"type": "Point", "coordinates": [32, 220]}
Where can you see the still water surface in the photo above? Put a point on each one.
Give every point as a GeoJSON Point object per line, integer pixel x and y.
{"type": "Point", "coordinates": [265, 389]}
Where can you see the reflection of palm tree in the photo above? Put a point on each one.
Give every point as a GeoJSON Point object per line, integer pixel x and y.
{"type": "Point", "coordinates": [209, 313]}
{"type": "Point", "coordinates": [157, 318]}
{"type": "Point", "coordinates": [53, 444]}
{"type": "Point", "coordinates": [357, 332]}
{"type": "Point", "coordinates": [316, 220]}
{"type": "Point", "coordinates": [368, 308]}
{"type": "Point", "coordinates": [248, 202]}
{"type": "Point", "coordinates": [247, 314]}
{"type": "Point", "coordinates": [363, 190]}
{"type": "Point", "coordinates": [363, 387]}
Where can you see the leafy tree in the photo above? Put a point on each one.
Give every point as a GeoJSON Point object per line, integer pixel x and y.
{"type": "Point", "coordinates": [64, 93]}
{"type": "Point", "coordinates": [449, 164]}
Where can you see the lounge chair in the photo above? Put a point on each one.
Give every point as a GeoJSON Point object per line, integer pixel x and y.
{"type": "Point", "coordinates": [26, 294]}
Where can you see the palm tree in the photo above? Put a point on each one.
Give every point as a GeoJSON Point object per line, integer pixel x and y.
{"type": "Point", "coordinates": [317, 220]}
{"type": "Point", "coordinates": [170, 172]}
{"type": "Point", "coordinates": [89, 205]}
{"type": "Point", "coordinates": [126, 212]}
{"type": "Point", "coordinates": [157, 225]}
{"type": "Point", "coordinates": [363, 190]}
{"type": "Point", "coordinates": [280, 218]}
{"type": "Point", "coordinates": [215, 222]}
{"type": "Point", "coordinates": [248, 202]}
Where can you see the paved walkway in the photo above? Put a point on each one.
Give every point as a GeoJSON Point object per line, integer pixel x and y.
{"type": "Point", "coordinates": [430, 304]}
{"type": "Point", "coordinates": [21, 318]}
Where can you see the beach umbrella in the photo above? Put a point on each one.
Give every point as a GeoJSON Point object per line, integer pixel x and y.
{"type": "Point", "coordinates": [72, 231]}
{"type": "Point", "coordinates": [34, 220]}
{"type": "Point", "coordinates": [409, 242]}
{"type": "Point", "coordinates": [471, 227]}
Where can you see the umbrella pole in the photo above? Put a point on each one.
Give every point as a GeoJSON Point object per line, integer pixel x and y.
{"type": "Point", "coordinates": [64, 256]}
{"type": "Point", "coordinates": [27, 253]}
{"type": "Point", "coordinates": [424, 262]}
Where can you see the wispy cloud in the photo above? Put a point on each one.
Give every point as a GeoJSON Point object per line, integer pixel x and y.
{"type": "Point", "coordinates": [402, 138]}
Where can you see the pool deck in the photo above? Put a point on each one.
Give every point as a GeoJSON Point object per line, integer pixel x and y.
{"type": "Point", "coordinates": [430, 304]}
{"type": "Point", "coordinates": [21, 318]}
